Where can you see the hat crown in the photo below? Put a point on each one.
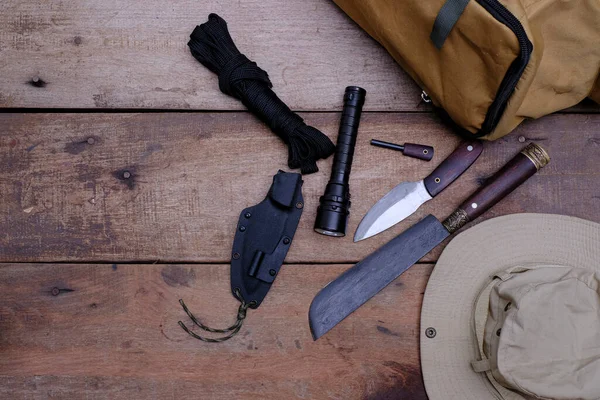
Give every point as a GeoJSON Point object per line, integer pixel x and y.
{"type": "Point", "coordinates": [542, 333]}
{"type": "Point", "coordinates": [452, 362]}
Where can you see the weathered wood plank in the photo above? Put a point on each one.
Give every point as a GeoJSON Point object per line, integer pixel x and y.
{"type": "Point", "coordinates": [115, 336]}
{"type": "Point", "coordinates": [63, 199]}
{"type": "Point", "coordinates": [114, 54]}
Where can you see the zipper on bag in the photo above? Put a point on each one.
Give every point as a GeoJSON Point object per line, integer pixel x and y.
{"type": "Point", "coordinates": [514, 72]}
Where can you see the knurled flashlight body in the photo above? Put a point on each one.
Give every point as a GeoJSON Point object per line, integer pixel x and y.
{"type": "Point", "coordinates": [334, 207]}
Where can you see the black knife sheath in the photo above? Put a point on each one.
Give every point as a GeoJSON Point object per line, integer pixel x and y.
{"type": "Point", "coordinates": [263, 236]}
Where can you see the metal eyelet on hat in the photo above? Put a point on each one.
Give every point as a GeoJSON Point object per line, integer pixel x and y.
{"type": "Point", "coordinates": [430, 333]}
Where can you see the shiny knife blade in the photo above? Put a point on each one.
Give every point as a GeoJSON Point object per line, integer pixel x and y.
{"type": "Point", "coordinates": [396, 205]}
{"type": "Point", "coordinates": [407, 197]}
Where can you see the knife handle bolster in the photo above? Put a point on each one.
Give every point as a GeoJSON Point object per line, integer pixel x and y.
{"type": "Point", "coordinates": [456, 220]}
{"type": "Point", "coordinates": [522, 167]}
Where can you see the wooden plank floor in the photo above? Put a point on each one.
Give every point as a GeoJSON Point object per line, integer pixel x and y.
{"type": "Point", "coordinates": [92, 265]}
{"type": "Point", "coordinates": [115, 54]}
{"type": "Point", "coordinates": [64, 199]}
{"type": "Point", "coordinates": [115, 336]}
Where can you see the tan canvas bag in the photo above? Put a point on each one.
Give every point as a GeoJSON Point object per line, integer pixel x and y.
{"type": "Point", "coordinates": [489, 64]}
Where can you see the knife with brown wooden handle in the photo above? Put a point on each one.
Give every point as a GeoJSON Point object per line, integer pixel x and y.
{"type": "Point", "coordinates": [407, 197]}
{"type": "Point", "coordinates": [358, 284]}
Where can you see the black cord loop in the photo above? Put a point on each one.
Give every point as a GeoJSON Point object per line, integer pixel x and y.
{"type": "Point", "coordinates": [232, 330]}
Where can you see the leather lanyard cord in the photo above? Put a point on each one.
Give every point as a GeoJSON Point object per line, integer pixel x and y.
{"type": "Point", "coordinates": [232, 330]}
{"type": "Point", "coordinates": [211, 44]}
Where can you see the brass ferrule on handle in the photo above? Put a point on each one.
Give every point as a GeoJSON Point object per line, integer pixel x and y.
{"type": "Point", "coordinates": [456, 220]}
{"type": "Point", "coordinates": [522, 167]}
{"type": "Point", "coordinates": [538, 156]}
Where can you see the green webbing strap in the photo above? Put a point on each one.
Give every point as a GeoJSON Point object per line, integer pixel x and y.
{"type": "Point", "coordinates": [446, 19]}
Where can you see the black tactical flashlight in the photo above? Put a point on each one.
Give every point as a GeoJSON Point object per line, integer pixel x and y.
{"type": "Point", "coordinates": [332, 214]}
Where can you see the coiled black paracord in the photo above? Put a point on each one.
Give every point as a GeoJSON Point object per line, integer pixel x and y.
{"type": "Point", "coordinates": [211, 44]}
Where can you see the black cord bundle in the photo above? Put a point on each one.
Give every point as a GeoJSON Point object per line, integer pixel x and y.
{"type": "Point", "coordinates": [241, 78]}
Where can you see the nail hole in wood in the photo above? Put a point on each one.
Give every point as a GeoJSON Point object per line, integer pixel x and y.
{"type": "Point", "coordinates": [38, 82]}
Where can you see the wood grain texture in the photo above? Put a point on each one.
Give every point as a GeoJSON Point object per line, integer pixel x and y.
{"type": "Point", "coordinates": [63, 199]}
{"type": "Point", "coordinates": [515, 173]}
{"type": "Point", "coordinates": [115, 54]}
{"type": "Point", "coordinates": [111, 333]}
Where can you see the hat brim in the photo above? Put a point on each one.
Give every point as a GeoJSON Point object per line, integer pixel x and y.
{"type": "Point", "coordinates": [465, 266]}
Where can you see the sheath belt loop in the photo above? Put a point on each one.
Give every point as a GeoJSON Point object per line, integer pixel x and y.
{"type": "Point", "coordinates": [445, 21]}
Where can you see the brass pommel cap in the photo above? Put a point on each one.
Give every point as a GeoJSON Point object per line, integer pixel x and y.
{"type": "Point", "coordinates": [538, 156]}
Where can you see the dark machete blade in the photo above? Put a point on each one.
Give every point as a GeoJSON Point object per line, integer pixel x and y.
{"type": "Point", "coordinates": [364, 280]}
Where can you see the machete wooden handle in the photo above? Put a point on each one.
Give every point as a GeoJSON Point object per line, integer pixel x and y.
{"type": "Point", "coordinates": [452, 167]}
{"type": "Point", "coordinates": [522, 167]}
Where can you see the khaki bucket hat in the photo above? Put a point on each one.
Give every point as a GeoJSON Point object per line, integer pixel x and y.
{"type": "Point", "coordinates": [512, 312]}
